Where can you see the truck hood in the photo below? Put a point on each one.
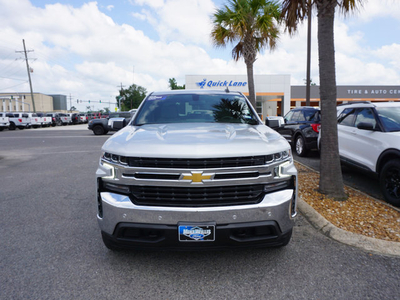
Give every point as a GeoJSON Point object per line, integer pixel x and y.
{"type": "Point", "coordinates": [195, 140]}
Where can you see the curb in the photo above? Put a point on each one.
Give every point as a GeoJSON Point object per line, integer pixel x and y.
{"type": "Point", "coordinates": [345, 237]}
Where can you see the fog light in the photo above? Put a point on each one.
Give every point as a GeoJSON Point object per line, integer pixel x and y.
{"type": "Point", "coordinates": [117, 187]}
{"type": "Point", "coordinates": [268, 188]}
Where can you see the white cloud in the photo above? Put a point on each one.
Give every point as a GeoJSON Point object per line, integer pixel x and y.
{"type": "Point", "coordinates": [84, 52]}
{"type": "Point", "coordinates": [110, 7]}
{"type": "Point", "coordinates": [151, 3]}
{"type": "Point", "coordinates": [379, 8]}
{"type": "Point", "coordinates": [140, 16]}
{"type": "Point", "coordinates": [186, 21]}
{"type": "Point", "coordinates": [391, 54]}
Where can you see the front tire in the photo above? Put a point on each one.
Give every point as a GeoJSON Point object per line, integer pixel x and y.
{"type": "Point", "coordinates": [389, 181]}
{"type": "Point", "coordinates": [98, 130]}
{"type": "Point", "coordinates": [12, 126]}
{"type": "Point", "coordinates": [300, 146]}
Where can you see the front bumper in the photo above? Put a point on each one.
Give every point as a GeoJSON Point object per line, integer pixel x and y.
{"type": "Point", "coordinates": [268, 223]}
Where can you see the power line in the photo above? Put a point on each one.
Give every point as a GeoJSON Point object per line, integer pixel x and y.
{"type": "Point", "coordinates": [11, 65]}
{"type": "Point", "coordinates": [13, 86]}
{"type": "Point", "coordinates": [13, 78]}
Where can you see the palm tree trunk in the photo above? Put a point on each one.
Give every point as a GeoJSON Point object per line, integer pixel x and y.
{"type": "Point", "coordinates": [250, 82]}
{"type": "Point", "coordinates": [331, 180]}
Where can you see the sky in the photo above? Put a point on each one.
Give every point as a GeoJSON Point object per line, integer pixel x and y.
{"type": "Point", "coordinates": [88, 49]}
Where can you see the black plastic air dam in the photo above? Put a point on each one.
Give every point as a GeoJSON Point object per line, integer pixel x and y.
{"type": "Point", "coordinates": [165, 237]}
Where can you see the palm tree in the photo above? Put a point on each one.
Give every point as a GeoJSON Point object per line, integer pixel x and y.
{"type": "Point", "coordinates": [251, 25]}
{"type": "Point", "coordinates": [293, 11]}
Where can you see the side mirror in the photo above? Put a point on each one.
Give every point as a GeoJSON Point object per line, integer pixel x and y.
{"type": "Point", "coordinates": [116, 123]}
{"type": "Point", "coordinates": [274, 122]}
{"type": "Point", "coordinates": [365, 126]}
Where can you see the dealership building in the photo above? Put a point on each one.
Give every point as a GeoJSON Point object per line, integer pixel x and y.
{"type": "Point", "coordinates": [23, 102]}
{"type": "Point", "coordinates": [275, 96]}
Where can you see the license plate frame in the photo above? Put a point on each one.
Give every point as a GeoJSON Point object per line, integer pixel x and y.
{"type": "Point", "coordinates": [196, 232]}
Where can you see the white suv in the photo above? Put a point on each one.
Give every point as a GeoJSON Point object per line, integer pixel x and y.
{"type": "Point", "coordinates": [369, 139]}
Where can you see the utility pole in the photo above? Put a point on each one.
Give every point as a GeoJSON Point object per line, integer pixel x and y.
{"type": "Point", "coordinates": [70, 102]}
{"type": "Point", "coordinates": [119, 100]}
{"type": "Point", "coordinates": [29, 73]}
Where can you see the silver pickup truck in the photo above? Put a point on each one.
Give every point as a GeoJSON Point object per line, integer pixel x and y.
{"type": "Point", "coordinates": [196, 170]}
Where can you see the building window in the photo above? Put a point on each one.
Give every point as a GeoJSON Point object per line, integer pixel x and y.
{"type": "Point", "coordinates": [259, 107]}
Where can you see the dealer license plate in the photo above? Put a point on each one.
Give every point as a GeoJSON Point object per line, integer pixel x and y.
{"type": "Point", "coordinates": [196, 233]}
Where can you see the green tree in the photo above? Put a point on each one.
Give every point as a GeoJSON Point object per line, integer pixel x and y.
{"type": "Point", "coordinates": [132, 97]}
{"type": "Point", "coordinates": [311, 82]}
{"type": "Point", "coordinates": [295, 11]}
{"type": "Point", "coordinates": [251, 25]}
{"type": "Point", "coordinates": [106, 110]}
{"type": "Point", "coordinates": [73, 108]}
{"type": "Point", "coordinates": [173, 85]}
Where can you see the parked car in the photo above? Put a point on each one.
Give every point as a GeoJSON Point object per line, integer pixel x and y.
{"type": "Point", "coordinates": [300, 128]}
{"type": "Point", "coordinates": [101, 126]}
{"type": "Point", "coordinates": [65, 119]}
{"type": "Point", "coordinates": [46, 121]}
{"type": "Point", "coordinates": [36, 121]}
{"type": "Point", "coordinates": [95, 115]}
{"type": "Point", "coordinates": [83, 118]}
{"type": "Point", "coordinates": [55, 119]}
{"type": "Point", "coordinates": [369, 139]}
{"type": "Point", "coordinates": [4, 121]}
{"type": "Point", "coordinates": [19, 120]}
{"type": "Point", "coordinates": [75, 118]}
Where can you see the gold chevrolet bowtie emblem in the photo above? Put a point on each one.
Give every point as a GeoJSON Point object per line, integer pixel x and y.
{"type": "Point", "coordinates": [196, 177]}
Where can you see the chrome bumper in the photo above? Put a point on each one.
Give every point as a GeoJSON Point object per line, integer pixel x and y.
{"type": "Point", "coordinates": [275, 206]}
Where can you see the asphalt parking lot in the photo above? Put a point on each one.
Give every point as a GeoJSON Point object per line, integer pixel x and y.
{"type": "Point", "coordinates": [51, 246]}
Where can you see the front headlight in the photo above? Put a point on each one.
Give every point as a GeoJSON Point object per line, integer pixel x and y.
{"type": "Point", "coordinates": [279, 156]}
{"type": "Point", "coordinates": [114, 158]}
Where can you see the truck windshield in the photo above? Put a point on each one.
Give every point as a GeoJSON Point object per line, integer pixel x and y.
{"type": "Point", "coordinates": [195, 108]}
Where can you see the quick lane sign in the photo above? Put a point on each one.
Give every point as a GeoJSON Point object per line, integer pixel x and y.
{"type": "Point", "coordinates": [221, 83]}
